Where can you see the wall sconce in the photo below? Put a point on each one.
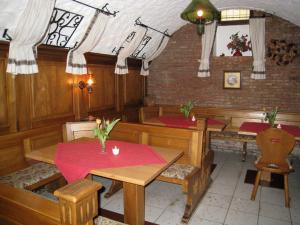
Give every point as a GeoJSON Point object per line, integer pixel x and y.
{"type": "Point", "coordinates": [87, 85]}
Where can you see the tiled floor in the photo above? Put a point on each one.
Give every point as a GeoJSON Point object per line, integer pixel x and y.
{"type": "Point", "coordinates": [227, 201]}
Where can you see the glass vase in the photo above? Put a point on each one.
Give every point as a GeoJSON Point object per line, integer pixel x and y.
{"type": "Point", "coordinates": [103, 146]}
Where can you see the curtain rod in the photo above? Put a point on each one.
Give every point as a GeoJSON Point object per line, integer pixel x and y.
{"type": "Point", "coordinates": [5, 34]}
{"type": "Point", "coordinates": [138, 22]}
{"type": "Point", "coordinates": [104, 9]}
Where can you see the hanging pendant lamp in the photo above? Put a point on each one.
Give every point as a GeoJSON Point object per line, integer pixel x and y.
{"type": "Point", "coordinates": [200, 12]}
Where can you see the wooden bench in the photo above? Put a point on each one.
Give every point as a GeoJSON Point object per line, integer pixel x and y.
{"type": "Point", "coordinates": [28, 174]}
{"type": "Point", "coordinates": [77, 205]}
{"type": "Point", "coordinates": [233, 118]}
{"type": "Point", "coordinates": [192, 170]}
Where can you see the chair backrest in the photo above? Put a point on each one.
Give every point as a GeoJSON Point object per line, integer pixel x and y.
{"type": "Point", "coordinates": [74, 130]}
{"type": "Point", "coordinates": [275, 145]}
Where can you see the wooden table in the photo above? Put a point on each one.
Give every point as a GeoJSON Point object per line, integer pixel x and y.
{"type": "Point", "coordinates": [134, 178]}
{"type": "Point", "coordinates": [156, 121]}
{"type": "Point", "coordinates": [210, 127]}
{"type": "Point", "coordinates": [244, 131]}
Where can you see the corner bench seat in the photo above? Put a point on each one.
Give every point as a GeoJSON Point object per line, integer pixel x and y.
{"type": "Point", "coordinates": [28, 177]}
{"type": "Point", "coordinates": [100, 220]}
{"type": "Point", "coordinates": [178, 171]}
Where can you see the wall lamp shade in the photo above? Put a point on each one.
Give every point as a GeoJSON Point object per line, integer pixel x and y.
{"type": "Point", "coordinates": [200, 12]}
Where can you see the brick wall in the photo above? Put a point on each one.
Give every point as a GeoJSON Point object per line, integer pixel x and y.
{"type": "Point", "coordinates": [173, 75]}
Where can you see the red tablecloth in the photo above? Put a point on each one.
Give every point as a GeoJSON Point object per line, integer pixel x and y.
{"type": "Point", "coordinates": [182, 122]}
{"type": "Point", "coordinates": [258, 127]}
{"type": "Point", "coordinates": [76, 160]}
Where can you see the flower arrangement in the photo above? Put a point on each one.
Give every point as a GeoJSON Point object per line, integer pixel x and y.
{"type": "Point", "coordinates": [271, 116]}
{"type": "Point", "coordinates": [103, 129]}
{"type": "Point", "coordinates": [239, 44]}
{"type": "Point", "coordinates": [186, 108]}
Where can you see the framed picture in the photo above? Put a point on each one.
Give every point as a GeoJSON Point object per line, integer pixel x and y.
{"type": "Point", "coordinates": [232, 79]}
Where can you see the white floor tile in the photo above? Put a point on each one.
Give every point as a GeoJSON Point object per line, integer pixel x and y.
{"type": "Point", "coordinates": [115, 205]}
{"type": "Point", "coordinates": [152, 213]}
{"type": "Point", "coordinates": [272, 196]}
{"type": "Point", "coordinates": [240, 218]}
{"type": "Point", "coordinates": [218, 200]}
{"type": "Point", "coordinates": [212, 213]}
{"type": "Point", "coordinates": [295, 214]}
{"type": "Point", "coordinates": [217, 188]}
{"type": "Point", "coordinates": [198, 221]}
{"type": "Point", "coordinates": [169, 217]}
{"type": "Point", "coordinates": [274, 212]}
{"type": "Point", "coordinates": [244, 205]}
{"type": "Point", "coordinates": [269, 221]}
{"type": "Point", "coordinates": [244, 191]}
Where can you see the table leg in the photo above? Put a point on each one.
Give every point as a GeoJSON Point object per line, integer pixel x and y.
{"type": "Point", "coordinates": [134, 204]}
{"type": "Point", "coordinates": [244, 151]}
{"type": "Point", "coordinates": [208, 142]}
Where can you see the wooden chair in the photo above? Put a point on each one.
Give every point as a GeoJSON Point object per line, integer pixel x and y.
{"type": "Point", "coordinates": [275, 145]}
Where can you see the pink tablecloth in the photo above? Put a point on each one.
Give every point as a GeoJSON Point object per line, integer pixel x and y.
{"type": "Point", "coordinates": [76, 160]}
{"type": "Point", "coordinates": [182, 122]}
{"type": "Point", "coordinates": [258, 127]}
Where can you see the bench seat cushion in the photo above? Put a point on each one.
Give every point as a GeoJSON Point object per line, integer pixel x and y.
{"type": "Point", "coordinates": [179, 171]}
{"type": "Point", "coordinates": [30, 175]}
{"type": "Point", "coordinates": [100, 220]}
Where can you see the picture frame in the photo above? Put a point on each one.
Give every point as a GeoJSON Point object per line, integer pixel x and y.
{"type": "Point", "coordinates": [232, 80]}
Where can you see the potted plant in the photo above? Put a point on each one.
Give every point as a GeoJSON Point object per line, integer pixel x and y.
{"type": "Point", "coordinates": [103, 129]}
{"type": "Point", "coordinates": [271, 116]}
{"type": "Point", "coordinates": [238, 44]}
{"type": "Point", "coordinates": [186, 108]}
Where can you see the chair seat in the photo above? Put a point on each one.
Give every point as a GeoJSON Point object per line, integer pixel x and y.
{"type": "Point", "coordinates": [30, 175]}
{"type": "Point", "coordinates": [100, 220]}
{"type": "Point", "coordinates": [282, 168]}
{"type": "Point", "coordinates": [179, 171]}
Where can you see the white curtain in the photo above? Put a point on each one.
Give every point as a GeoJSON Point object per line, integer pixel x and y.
{"type": "Point", "coordinates": [161, 46]}
{"type": "Point", "coordinates": [207, 43]}
{"type": "Point", "coordinates": [29, 32]}
{"type": "Point", "coordinates": [127, 49]}
{"type": "Point", "coordinates": [76, 63]}
{"type": "Point", "coordinates": [257, 35]}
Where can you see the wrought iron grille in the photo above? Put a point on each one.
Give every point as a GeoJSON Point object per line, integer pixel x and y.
{"type": "Point", "coordinates": [62, 26]}
{"type": "Point", "coordinates": [128, 40]}
{"type": "Point", "coordinates": [142, 45]}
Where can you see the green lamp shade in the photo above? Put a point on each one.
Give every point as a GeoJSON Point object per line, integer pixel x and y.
{"type": "Point", "coordinates": [210, 13]}
{"type": "Point", "coordinates": [200, 28]}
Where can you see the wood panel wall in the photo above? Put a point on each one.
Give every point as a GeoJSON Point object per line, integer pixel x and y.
{"type": "Point", "coordinates": [53, 96]}
{"type": "Point", "coordinates": [37, 105]}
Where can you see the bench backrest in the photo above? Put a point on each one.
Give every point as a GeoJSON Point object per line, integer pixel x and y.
{"type": "Point", "coordinates": [190, 141]}
{"type": "Point", "coordinates": [12, 146]}
{"type": "Point", "coordinates": [19, 206]}
{"type": "Point", "coordinates": [235, 117]}
{"type": "Point", "coordinates": [74, 130]}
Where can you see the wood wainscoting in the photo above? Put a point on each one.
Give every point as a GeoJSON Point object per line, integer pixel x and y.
{"type": "Point", "coordinates": [53, 96]}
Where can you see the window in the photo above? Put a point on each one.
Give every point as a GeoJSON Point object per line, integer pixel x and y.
{"type": "Point", "coordinates": [234, 22]}
{"type": "Point", "coordinates": [235, 14]}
